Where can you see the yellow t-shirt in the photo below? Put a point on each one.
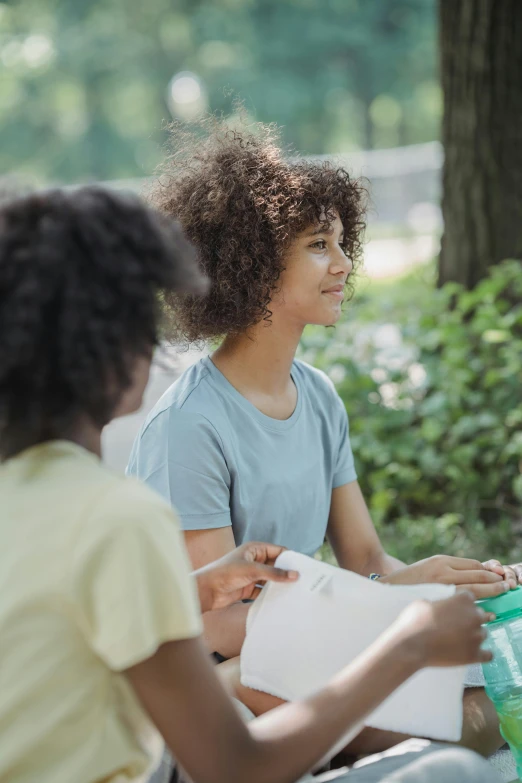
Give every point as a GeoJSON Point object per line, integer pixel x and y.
{"type": "Point", "coordinates": [93, 578]}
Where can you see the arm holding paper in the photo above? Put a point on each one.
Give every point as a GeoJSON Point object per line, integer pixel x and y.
{"type": "Point", "coordinates": [288, 741]}
{"type": "Point", "coordinates": [331, 625]}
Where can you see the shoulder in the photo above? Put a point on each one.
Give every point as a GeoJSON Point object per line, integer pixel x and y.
{"type": "Point", "coordinates": [190, 406]}
{"type": "Point", "coordinates": [186, 392]}
{"type": "Point", "coordinates": [128, 504]}
{"type": "Point", "coordinates": [127, 514]}
{"type": "Point", "coordinates": [129, 575]}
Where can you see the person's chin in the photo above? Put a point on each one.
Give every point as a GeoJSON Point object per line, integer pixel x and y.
{"type": "Point", "coordinates": [333, 317]}
{"type": "Point", "coordinates": [326, 320]}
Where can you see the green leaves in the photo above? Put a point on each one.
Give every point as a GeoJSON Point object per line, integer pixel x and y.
{"type": "Point", "coordinates": [440, 460]}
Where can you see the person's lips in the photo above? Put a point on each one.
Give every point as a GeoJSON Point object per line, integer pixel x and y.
{"type": "Point", "coordinates": [335, 291]}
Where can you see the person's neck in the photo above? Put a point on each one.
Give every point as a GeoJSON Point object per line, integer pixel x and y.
{"type": "Point", "coordinates": [87, 435]}
{"type": "Point", "coordinates": [261, 359]}
{"type": "Point", "coordinates": [83, 433]}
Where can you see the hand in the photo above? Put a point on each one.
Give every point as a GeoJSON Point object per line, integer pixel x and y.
{"type": "Point", "coordinates": [236, 576]}
{"type": "Point", "coordinates": [512, 574]}
{"type": "Point", "coordinates": [470, 575]}
{"type": "Point", "coordinates": [445, 633]}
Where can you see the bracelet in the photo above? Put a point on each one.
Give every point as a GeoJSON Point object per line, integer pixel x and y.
{"type": "Point", "coordinates": [374, 577]}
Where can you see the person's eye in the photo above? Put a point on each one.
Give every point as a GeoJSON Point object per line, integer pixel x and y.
{"type": "Point", "coordinates": [320, 244]}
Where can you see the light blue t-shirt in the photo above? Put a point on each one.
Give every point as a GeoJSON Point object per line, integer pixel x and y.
{"type": "Point", "coordinates": [220, 461]}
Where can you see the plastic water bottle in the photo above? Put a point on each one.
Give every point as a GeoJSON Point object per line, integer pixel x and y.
{"type": "Point", "coordinates": [503, 674]}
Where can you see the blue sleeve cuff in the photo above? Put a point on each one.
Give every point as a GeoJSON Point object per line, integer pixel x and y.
{"type": "Point", "coordinates": [205, 521]}
{"type": "Point", "coordinates": [346, 476]}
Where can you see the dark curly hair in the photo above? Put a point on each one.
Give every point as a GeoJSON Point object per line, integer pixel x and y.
{"type": "Point", "coordinates": [80, 273]}
{"type": "Point", "coordinates": [241, 201]}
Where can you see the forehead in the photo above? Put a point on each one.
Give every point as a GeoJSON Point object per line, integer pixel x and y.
{"type": "Point", "coordinates": [335, 227]}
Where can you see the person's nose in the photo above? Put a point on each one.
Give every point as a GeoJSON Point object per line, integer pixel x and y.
{"type": "Point", "coordinates": [340, 263]}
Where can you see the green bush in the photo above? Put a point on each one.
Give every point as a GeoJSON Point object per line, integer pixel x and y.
{"type": "Point", "coordinates": [432, 382]}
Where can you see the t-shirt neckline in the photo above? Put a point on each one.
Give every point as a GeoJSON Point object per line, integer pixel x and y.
{"type": "Point", "coordinates": [265, 421]}
{"type": "Point", "coordinates": [56, 447]}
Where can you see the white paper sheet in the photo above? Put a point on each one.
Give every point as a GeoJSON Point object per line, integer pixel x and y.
{"type": "Point", "coordinates": [299, 635]}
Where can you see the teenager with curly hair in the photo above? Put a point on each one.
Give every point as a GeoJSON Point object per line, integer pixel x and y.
{"type": "Point", "coordinates": [251, 443]}
{"type": "Point", "coordinates": [99, 618]}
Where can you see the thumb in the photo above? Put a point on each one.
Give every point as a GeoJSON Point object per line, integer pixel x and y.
{"type": "Point", "coordinates": [259, 572]}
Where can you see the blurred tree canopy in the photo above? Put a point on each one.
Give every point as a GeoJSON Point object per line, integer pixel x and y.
{"type": "Point", "coordinates": [83, 84]}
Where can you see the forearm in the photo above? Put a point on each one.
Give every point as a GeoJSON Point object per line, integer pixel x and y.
{"type": "Point", "coordinates": [225, 629]}
{"type": "Point", "coordinates": [374, 562]}
{"type": "Point", "coordinates": [179, 689]}
{"type": "Point", "coordinates": [353, 537]}
{"type": "Point", "coordinates": [292, 738]}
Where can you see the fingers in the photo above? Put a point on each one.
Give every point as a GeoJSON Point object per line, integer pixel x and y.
{"type": "Point", "coordinates": [484, 617]}
{"type": "Point", "coordinates": [510, 576]}
{"type": "Point", "coordinates": [482, 655]}
{"type": "Point", "coordinates": [495, 566]}
{"type": "Point", "coordinates": [470, 616]}
{"type": "Point", "coordinates": [475, 577]}
{"type": "Point", "coordinates": [260, 552]}
{"type": "Point", "coordinates": [258, 572]}
{"type": "Point", "coordinates": [477, 653]}
{"type": "Point", "coordinates": [479, 618]}
{"type": "Point", "coordinates": [463, 592]}
{"type": "Point", "coordinates": [461, 612]}
{"type": "Point", "coordinates": [480, 591]}
{"type": "Point", "coordinates": [509, 573]}
{"type": "Point", "coordinates": [465, 564]}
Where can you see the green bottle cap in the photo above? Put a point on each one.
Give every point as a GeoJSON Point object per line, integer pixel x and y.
{"type": "Point", "coordinates": [506, 604]}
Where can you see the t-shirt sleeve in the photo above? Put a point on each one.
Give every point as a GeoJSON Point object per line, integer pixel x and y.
{"type": "Point", "coordinates": [344, 472]}
{"type": "Point", "coordinates": [180, 456]}
{"type": "Point", "coordinates": [131, 582]}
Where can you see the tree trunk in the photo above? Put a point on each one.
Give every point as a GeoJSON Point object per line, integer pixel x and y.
{"type": "Point", "coordinates": [481, 64]}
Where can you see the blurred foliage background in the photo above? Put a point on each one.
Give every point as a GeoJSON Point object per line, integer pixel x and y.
{"type": "Point", "coordinates": [432, 382]}
{"type": "Point", "coordinates": [86, 87]}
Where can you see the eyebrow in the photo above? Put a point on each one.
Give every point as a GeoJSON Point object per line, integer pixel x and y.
{"type": "Point", "coordinates": [321, 230]}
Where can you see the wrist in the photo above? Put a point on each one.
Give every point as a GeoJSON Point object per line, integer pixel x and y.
{"type": "Point", "coordinates": [410, 646]}
{"type": "Point", "coordinates": [382, 563]}
{"type": "Point", "coordinates": [393, 653]}
{"type": "Point", "coordinates": [402, 576]}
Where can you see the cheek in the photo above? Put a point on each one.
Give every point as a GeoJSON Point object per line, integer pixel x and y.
{"type": "Point", "coordinates": [298, 296]}
{"type": "Point", "coordinates": [301, 284]}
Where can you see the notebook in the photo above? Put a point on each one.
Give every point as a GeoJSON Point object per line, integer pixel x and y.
{"type": "Point", "coordinates": [301, 634]}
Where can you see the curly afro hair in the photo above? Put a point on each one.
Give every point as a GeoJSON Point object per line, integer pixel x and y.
{"type": "Point", "coordinates": [241, 201]}
{"type": "Point", "coordinates": [80, 273]}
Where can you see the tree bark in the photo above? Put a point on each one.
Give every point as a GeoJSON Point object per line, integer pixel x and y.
{"type": "Point", "coordinates": [481, 68]}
